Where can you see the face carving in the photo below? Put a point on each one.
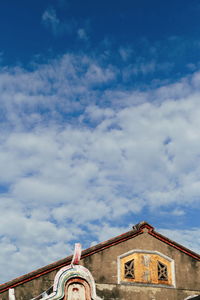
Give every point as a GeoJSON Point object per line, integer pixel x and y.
{"type": "Point", "coordinates": [77, 289]}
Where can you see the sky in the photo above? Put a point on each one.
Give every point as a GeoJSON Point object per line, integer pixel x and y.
{"type": "Point", "coordinates": [99, 125]}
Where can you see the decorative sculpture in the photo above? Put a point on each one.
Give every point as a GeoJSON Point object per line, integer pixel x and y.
{"type": "Point", "coordinates": [73, 282]}
{"type": "Point", "coordinates": [11, 294]}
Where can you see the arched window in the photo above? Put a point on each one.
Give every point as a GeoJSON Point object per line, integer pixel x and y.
{"type": "Point", "coordinates": [146, 267]}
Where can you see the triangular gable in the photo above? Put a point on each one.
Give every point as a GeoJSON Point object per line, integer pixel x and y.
{"type": "Point", "coordinates": [137, 230]}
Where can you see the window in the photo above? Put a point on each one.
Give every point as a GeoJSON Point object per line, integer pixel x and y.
{"type": "Point", "coordinates": [129, 269]}
{"type": "Point", "coordinates": [146, 267]}
{"type": "Point", "coordinates": [162, 272]}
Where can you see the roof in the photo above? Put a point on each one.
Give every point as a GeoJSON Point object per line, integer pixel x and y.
{"type": "Point", "coordinates": [138, 229]}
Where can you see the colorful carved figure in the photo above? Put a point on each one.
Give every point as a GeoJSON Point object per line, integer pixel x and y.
{"type": "Point", "coordinates": [73, 282]}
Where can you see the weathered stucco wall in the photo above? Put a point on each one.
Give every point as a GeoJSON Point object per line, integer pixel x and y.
{"type": "Point", "coordinates": [125, 292]}
{"type": "Point", "coordinates": [103, 266]}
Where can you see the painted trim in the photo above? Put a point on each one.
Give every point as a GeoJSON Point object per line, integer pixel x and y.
{"type": "Point", "coordinates": [174, 245]}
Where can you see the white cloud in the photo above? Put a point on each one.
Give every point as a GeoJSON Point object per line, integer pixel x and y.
{"type": "Point", "coordinates": [126, 150]}
{"type": "Point", "coordinates": [125, 53]}
{"type": "Point", "coordinates": [56, 25]}
{"type": "Point", "coordinates": [51, 20]}
{"type": "Point", "coordinates": [82, 35]}
{"type": "Point", "coordinates": [178, 212]}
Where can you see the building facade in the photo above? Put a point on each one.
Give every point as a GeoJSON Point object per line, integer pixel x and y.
{"type": "Point", "coordinates": [140, 264]}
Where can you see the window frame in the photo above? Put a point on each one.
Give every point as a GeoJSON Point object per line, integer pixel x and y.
{"type": "Point", "coordinates": [159, 284]}
{"type": "Point", "coordinates": [129, 264]}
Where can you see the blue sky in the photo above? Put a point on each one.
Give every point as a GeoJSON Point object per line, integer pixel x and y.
{"type": "Point", "coordinates": [100, 119]}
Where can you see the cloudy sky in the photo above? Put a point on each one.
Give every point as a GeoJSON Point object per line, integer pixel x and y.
{"type": "Point", "coordinates": [100, 124]}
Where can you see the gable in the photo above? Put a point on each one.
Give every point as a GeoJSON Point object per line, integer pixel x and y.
{"type": "Point", "coordinates": [103, 261]}
{"type": "Point", "coordinates": [105, 265]}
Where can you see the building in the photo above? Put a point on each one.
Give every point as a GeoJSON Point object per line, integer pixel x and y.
{"type": "Point", "coordinates": [140, 264]}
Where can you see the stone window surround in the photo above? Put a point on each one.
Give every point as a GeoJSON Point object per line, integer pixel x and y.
{"type": "Point", "coordinates": [172, 263]}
